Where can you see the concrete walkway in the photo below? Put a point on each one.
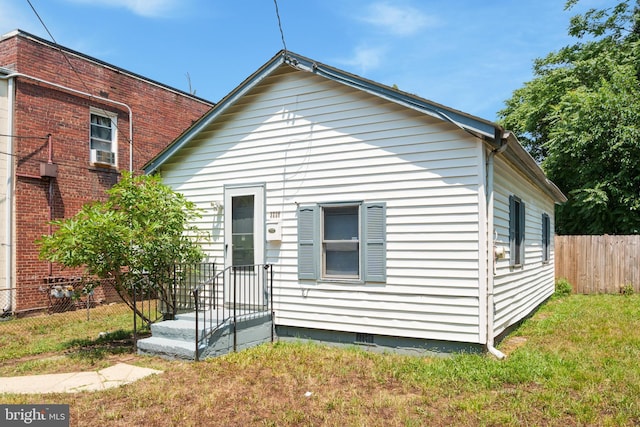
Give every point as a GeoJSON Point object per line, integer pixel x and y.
{"type": "Point", "coordinates": [75, 382]}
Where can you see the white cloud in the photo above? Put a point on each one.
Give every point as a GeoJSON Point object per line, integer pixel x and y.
{"type": "Point", "coordinates": [365, 58]}
{"type": "Point", "coordinates": [146, 8]}
{"type": "Point", "coordinates": [397, 20]}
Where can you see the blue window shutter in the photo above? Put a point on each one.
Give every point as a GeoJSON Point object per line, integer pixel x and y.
{"type": "Point", "coordinates": [512, 230]}
{"type": "Point", "coordinates": [374, 242]}
{"type": "Point", "coordinates": [522, 228]}
{"type": "Point", "coordinates": [307, 235]}
{"type": "Point", "coordinates": [546, 237]}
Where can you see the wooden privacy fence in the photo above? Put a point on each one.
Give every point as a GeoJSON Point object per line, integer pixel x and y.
{"type": "Point", "coordinates": [598, 264]}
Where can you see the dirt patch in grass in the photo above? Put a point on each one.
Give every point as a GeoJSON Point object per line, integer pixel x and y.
{"type": "Point", "coordinates": [510, 344]}
{"type": "Point", "coordinates": [92, 356]}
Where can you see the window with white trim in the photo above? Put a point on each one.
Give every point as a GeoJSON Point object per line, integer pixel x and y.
{"type": "Point", "coordinates": [342, 241]}
{"type": "Point", "coordinates": [102, 145]}
{"type": "Point", "coordinates": [516, 231]}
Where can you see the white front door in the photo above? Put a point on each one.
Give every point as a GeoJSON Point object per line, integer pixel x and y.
{"type": "Point", "coordinates": [244, 225]}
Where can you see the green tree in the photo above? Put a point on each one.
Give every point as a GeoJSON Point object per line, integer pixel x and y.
{"type": "Point", "coordinates": [580, 117]}
{"type": "Point", "coordinates": [134, 238]}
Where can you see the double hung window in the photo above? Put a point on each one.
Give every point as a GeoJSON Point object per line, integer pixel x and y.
{"type": "Point", "coordinates": [102, 139]}
{"type": "Point", "coordinates": [342, 241]}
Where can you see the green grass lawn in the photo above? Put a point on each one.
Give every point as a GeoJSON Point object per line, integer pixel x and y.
{"type": "Point", "coordinates": [577, 362]}
{"type": "Point", "coordinates": [65, 342]}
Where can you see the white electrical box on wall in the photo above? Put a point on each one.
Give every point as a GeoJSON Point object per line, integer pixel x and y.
{"type": "Point", "coordinates": [274, 232]}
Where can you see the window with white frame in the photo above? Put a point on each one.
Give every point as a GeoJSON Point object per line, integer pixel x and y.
{"type": "Point", "coordinates": [546, 237]}
{"type": "Point", "coordinates": [103, 139]}
{"type": "Point", "coordinates": [516, 231]}
{"type": "Point", "coordinates": [342, 241]}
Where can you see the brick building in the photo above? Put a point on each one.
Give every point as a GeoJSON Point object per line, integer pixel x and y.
{"type": "Point", "coordinates": [69, 124]}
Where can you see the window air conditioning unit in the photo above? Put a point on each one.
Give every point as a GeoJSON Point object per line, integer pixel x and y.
{"type": "Point", "coordinates": [100, 157]}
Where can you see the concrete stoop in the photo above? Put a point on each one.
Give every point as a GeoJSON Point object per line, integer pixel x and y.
{"type": "Point", "coordinates": [175, 339]}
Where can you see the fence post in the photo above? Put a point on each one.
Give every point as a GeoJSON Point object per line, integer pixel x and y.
{"type": "Point", "coordinates": [195, 303]}
{"type": "Point", "coordinates": [273, 323]}
{"type": "Point", "coordinates": [135, 320]}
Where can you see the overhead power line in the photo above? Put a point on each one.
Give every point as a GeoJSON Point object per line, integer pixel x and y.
{"type": "Point", "coordinates": [129, 137]}
{"type": "Point", "coordinates": [58, 46]}
{"type": "Point", "coordinates": [284, 44]}
{"type": "Point", "coordinates": [22, 136]}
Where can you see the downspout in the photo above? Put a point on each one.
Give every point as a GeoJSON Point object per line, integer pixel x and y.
{"type": "Point", "coordinates": [51, 211]}
{"type": "Point", "coordinates": [501, 140]}
{"type": "Point", "coordinates": [90, 96]}
{"type": "Point", "coordinates": [8, 260]}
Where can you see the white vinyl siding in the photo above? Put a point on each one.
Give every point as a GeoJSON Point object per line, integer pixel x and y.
{"type": "Point", "coordinates": [313, 142]}
{"type": "Point", "coordinates": [517, 291]}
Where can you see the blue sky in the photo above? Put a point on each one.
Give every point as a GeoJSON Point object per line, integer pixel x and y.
{"type": "Point", "coordinates": [466, 54]}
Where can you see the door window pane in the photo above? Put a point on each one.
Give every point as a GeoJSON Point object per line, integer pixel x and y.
{"type": "Point", "coordinates": [242, 220]}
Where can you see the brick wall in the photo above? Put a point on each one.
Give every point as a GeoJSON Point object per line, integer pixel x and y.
{"type": "Point", "coordinates": [159, 116]}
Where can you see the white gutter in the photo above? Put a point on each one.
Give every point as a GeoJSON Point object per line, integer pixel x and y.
{"type": "Point", "coordinates": [8, 260]}
{"type": "Point", "coordinates": [491, 259]}
{"type": "Point", "coordinates": [99, 98]}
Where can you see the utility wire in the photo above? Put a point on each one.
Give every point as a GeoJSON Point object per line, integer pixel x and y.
{"type": "Point", "coordinates": [23, 137]}
{"type": "Point", "coordinates": [55, 42]}
{"type": "Point", "coordinates": [284, 44]}
{"type": "Point", "coordinates": [136, 150]}
{"type": "Point", "coordinates": [59, 48]}
{"type": "Point", "coordinates": [59, 163]}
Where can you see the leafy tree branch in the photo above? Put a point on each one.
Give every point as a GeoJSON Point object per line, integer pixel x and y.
{"type": "Point", "coordinates": [133, 238]}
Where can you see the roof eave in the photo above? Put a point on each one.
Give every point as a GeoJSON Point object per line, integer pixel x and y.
{"type": "Point", "coordinates": [521, 158]}
{"type": "Point", "coordinates": [476, 125]}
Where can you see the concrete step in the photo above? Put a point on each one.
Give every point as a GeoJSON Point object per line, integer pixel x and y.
{"type": "Point", "coordinates": [182, 330]}
{"type": "Point", "coordinates": [167, 348]}
{"type": "Point", "coordinates": [209, 316]}
{"type": "Point", "coordinates": [175, 339]}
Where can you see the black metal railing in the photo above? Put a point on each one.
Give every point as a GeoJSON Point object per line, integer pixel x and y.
{"type": "Point", "coordinates": [155, 303]}
{"type": "Point", "coordinates": [233, 294]}
{"type": "Point", "coordinates": [145, 300]}
{"type": "Point", "coordinates": [186, 277]}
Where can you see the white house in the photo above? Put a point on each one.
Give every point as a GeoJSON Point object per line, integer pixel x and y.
{"type": "Point", "coordinates": [391, 220]}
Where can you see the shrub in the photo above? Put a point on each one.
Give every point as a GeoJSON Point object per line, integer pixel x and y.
{"type": "Point", "coordinates": [626, 289]}
{"type": "Point", "coordinates": [563, 288]}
